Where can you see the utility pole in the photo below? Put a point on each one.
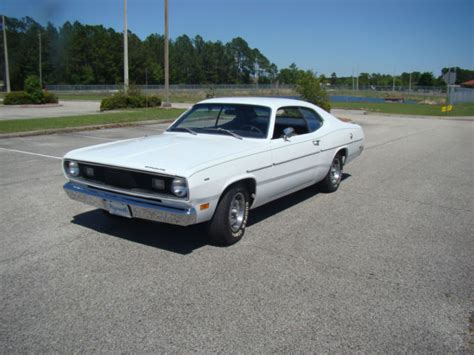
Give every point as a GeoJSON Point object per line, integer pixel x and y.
{"type": "Point", "coordinates": [7, 70]}
{"type": "Point", "coordinates": [125, 47]}
{"type": "Point", "coordinates": [167, 68]}
{"type": "Point", "coordinates": [357, 78]}
{"type": "Point", "coordinates": [40, 66]}
{"type": "Point", "coordinates": [352, 77]}
{"type": "Point", "coordinates": [448, 98]}
{"type": "Point", "coordinates": [409, 83]}
{"type": "Point", "coordinates": [393, 84]}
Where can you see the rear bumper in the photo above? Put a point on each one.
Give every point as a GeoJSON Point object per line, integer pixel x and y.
{"type": "Point", "coordinates": [139, 208]}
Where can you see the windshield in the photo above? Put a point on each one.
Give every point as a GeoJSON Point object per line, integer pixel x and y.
{"type": "Point", "coordinates": [226, 119]}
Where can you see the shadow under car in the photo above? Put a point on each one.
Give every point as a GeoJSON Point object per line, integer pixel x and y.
{"type": "Point", "coordinates": [181, 240]}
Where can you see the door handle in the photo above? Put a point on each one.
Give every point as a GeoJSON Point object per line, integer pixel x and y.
{"type": "Point", "coordinates": [316, 142]}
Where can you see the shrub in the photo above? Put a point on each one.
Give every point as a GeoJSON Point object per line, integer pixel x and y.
{"type": "Point", "coordinates": [49, 98]}
{"type": "Point", "coordinates": [154, 101]}
{"type": "Point", "coordinates": [17, 98]}
{"type": "Point", "coordinates": [310, 89]}
{"type": "Point", "coordinates": [136, 101]}
{"type": "Point", "coordinates": [131, 100]}
{"type": "Point", "coordinates": [134, 90]}
{"type": "Point", "coordinates": [24, 98]}
{"type": "Point", "coordinates": [116, 101]}
{"type": "Point", "coordinates": [33, 88]}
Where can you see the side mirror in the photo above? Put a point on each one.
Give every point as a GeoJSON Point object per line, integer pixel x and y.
{"type": "Point", "coordinates": [288, 132]}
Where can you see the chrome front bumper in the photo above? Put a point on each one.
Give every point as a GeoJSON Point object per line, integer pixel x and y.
{"type": "Point", "coordinates": [139, 208]}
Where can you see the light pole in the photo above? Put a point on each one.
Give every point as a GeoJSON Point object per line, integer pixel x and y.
{"type": "Point", "coordinates": [125, 47]}
{"type": "Point", "coordinates": [393, 82]}
{"type": "Point", "coordinates": [167, 69]}
{"type": "Point", "coordinates": [352, 77]}
{"type": "Point", "coordinates": [7, 70]}
{"type": "Point", "coordinates": [357, 78]}
{"type": "Point", "coordinates": [40, 66]}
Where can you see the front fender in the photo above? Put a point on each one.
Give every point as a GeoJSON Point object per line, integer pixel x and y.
{"type": "Point", "coordinates": [209, 185]}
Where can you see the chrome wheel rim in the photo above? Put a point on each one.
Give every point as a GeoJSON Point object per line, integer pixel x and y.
{"type": "Point", "coordinates": [336, 172]}
{"type": "Point", "coordinates": [236, 212]}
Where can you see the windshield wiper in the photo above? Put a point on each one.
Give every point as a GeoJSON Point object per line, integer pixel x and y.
{"type": "Point", "coordinates": [220, 129]}
{"type": "Point", "coordinates": [189, 130]}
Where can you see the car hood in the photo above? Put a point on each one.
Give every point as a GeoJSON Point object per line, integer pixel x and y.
{"type": "Point", "coordinates": [179, 154]}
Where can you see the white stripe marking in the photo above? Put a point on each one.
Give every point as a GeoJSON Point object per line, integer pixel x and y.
{"type": "Point", "coordinates": [30, 153]}
{"type": "Point", "coordinates": [92, 137]}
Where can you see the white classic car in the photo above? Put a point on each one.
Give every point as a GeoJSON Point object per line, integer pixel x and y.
{"type": "Point", "coordinates": [219, 159]}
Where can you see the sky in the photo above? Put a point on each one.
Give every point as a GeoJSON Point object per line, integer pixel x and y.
{"type": "Point", "coordinates": [342, 36]}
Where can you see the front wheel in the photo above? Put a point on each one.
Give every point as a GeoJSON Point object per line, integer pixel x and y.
{"type": "Point", "coordinates": [230, 219]}
{"type": "Point", "coordinates": [333, 178]}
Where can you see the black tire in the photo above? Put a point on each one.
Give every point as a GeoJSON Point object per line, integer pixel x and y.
{"type": "Point", "coordinates": [228, 224]}
{"type": "Point", "coordinates": [334, 176]}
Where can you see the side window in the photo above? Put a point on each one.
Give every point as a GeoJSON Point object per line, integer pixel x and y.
{"type": "Point", "coordinates": [289, 117]}
{"type": "Point", "coordinates": [313, 119]}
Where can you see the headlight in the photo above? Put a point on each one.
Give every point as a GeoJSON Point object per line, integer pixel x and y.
{"type": "Point", "coordinates": [179, 187]}
{"type": "Point", "coordinates": [72, 168]}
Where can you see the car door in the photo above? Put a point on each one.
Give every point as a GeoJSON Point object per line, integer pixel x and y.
{"type": "Point", "coordinates": [296, 158]}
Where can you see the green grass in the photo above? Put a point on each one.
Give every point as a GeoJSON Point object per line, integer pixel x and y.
{"type": "Point", "coordinates": [35, 124]}
{"type": "Point", "coordinates": [406, 109]}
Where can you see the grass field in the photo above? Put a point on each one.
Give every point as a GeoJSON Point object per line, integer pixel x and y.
{"type": "Point", "coordinates": [406, 109]}
{"type": "Point", "coordinates": [10, 126]}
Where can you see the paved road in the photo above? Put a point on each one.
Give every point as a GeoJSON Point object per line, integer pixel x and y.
{"type": "Point", "coordinates": [64, 108]}
{"type": "Point", "coordinates": [383, 265]}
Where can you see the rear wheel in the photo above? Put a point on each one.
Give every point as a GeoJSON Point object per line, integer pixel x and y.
{"type": "Point", "coordinates": [333, 178]}
{"type": "Point", "coordinates": [230, 219]}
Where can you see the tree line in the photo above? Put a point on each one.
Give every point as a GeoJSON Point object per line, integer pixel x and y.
{"type": "Point", "coordinates": [292, 74]}
{"type": "Point", "coordinates": [83, 54]}
{"type": "Point", "coordinates": [75, 53]}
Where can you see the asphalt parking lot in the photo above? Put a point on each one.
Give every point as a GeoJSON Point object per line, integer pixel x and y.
{"type": "Point", "coordinates": [383, 265]}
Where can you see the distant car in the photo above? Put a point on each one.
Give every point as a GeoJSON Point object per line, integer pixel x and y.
{"type": "Point", "coordinates": [221, 158]}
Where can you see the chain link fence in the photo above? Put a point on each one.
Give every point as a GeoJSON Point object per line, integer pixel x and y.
{"type": "Point", "coordinates": [457, 94]}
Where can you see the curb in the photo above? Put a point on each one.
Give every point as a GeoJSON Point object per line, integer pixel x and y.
{"type": "Point", "coordinates": [445, 118]}
{"type": "Point", "coordinates": [82, 128]}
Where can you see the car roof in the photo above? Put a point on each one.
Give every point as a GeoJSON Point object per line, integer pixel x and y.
{"type": "Point", "coordinates": [272, 102]}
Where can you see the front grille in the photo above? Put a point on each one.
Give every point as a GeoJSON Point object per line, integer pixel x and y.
{"type": "Point", "coordinates": [123, 179]}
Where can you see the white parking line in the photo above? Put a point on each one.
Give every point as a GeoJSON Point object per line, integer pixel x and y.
{"type": "Point", "coordinates": [87, 136]}
{"type": "Point", "coordinates": [30, 153]}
